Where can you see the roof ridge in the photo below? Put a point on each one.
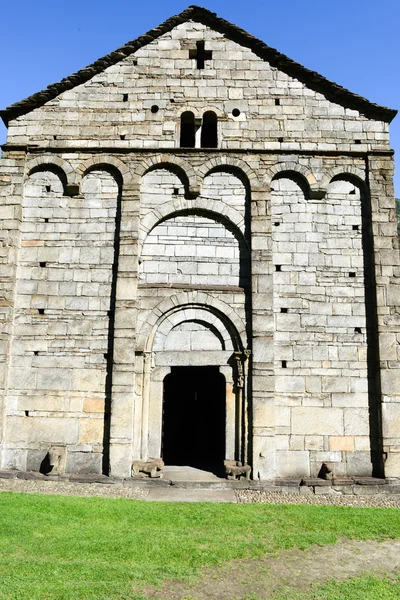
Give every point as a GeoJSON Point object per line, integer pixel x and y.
{"type": "Point", "coordinates": [332, 91]}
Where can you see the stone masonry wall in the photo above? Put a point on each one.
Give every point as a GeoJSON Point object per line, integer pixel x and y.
{"type": "Point", "coordinates": [276, 111]}
{"type": "Point", "coordinates": [279, 234]}
{"type": "Point", "coordinates": [58, 365]}
{"type": "Point", "coordinates": [321, 379]}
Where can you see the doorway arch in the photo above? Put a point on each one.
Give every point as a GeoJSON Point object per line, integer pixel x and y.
{"type": "Point", "coordinates": [193, 349]}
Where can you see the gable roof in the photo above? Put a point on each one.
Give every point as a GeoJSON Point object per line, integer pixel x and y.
{"type": "Point", "coordinates": [332, 91]}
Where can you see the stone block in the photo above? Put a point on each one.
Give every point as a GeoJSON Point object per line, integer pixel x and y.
{"type": "Point", "coordinates": [313, 442]}
{"type": "Point", "coordinates": [52, 430]}
{"type": "Point", "coordinates": [392, 465]}
{"type": "Point", "coordinates": [263, 457]}
{"type": "Point", "coordinates": [91, 431]}
{"type": "Point", "coordinates": [292, 464]}
{"type": "Point", "coordinates": [359, 464]}
{"type": "Point", "coordinates": [317, 421]}
{"type": "Point", "coordinates": [121, 459]}
{"type": "Point", "coordinates": [388, 346]}
{"type": "Point", "coordinates": [263, 414]}
{"type": "Point", "coordinates": [34, 459]}
{"type": "Point", "coordinates": [88, 380]}
{"type": "Point", "coordinates": [14, 459]}
{"type": "Point", "coordinates": [341, 443]}
{"type": "Point", "coordinates": [93, 405]}
{"type": "Point", "coordinates": [390, 380]}
{"type": "Point", "coordinates": [356, 421]}
{"type": "Point", "coordinates": [263, 349]}
{"type": "Point", "coordinates": [83, 462]}
{"type": "Point", "coordinates": [289, 383]}
{"type": "Point", "coordinates": [391, 419]}
{"type": "Point", "coordinates": [335, 384]}
{"type": "Point", "coordinates": [54, 379]}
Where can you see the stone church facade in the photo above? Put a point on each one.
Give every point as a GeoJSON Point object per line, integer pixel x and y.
{"type": "Point", "coordinates": [199, 261]}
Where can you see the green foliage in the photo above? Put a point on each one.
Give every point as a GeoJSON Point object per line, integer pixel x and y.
{"type": "Point", "coordinates": [59, 548]}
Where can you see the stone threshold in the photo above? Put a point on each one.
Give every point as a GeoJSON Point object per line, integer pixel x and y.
{"type": "Point", "coordinates": [355, 486]}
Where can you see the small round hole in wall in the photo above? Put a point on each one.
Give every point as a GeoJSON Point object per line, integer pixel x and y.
{"type": "Point", "coordinates": [236, 112]}
{"type": "Point", "coordinates": [154, 109]}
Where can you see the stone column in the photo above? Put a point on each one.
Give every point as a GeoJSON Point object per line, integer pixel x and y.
{"type": "Point", "coordinates": [123, 376]}
{"type": "Point", "coordinates": [387, 275]}
{"type": "Point", "coordinates": [230, 413]}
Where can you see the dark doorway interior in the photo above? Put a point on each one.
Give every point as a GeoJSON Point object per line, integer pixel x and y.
{"type": "Point", "coordinates": [194, 418]}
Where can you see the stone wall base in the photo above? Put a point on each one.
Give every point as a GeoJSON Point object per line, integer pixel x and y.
{"type": "Point", "coordinates": [362, 486]}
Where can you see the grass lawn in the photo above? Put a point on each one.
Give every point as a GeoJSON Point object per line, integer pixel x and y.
{"type": "Point", "coordinates": [357, 588]}
{"type": "Point", "coordinates": [55, 547]}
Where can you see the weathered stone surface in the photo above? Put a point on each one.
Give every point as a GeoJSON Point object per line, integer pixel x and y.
{"type": "Point", "coordinates": [126, 256]}
{"type": "Point", "coordinates": [312, 420]}
{"type": "Point", "coordinates": [84, 462]}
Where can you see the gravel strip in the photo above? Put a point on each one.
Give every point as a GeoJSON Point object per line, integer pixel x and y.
{"type": "Point", "coordinates": [259, 497]}
{"type": "Point", "coordinates": [66, 488]}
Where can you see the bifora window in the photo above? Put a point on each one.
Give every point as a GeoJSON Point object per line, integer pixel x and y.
{"type": "Point", "coordinates": [191, 137]}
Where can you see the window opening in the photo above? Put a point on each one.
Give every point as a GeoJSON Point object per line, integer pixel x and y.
{"type": "Point", "coordinates": [209, 136]}
{"type": "Point", "coordinates": [200, 54]}
{"type": "Point", "coordinates": [188, 136]}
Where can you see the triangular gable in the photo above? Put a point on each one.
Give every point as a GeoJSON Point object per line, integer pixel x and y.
{"type": "Point", "coordinates": [332, 91]}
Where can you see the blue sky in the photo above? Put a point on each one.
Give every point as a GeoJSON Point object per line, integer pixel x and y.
{"type": "Point", "coordinates": [352, 42]}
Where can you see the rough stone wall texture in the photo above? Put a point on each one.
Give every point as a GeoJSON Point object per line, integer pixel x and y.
{"type": "Point", "coordinates": [97, 113]}
{"type": "Point", "coordinates": [320, 334]}
{"type": "Point", "coordinates": [60, 337]}
{"type": "Point", "coordinates": [123, 255]}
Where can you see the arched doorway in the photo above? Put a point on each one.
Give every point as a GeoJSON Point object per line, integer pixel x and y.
{"type": "Point", "coordinates": [193, 429]}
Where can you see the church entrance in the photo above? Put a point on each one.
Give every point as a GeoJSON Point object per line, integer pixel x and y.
{"type": "Point", "coordinates": [194, 418]}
